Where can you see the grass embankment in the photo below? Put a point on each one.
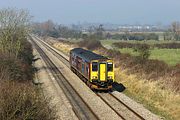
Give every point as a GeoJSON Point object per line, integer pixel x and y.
{"type": "Point", "coordinates": [152, 94]}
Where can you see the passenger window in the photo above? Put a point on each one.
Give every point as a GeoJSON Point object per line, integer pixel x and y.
{"type": "Point", "coordinates": [110, 67]}
{"type": "Point", "coordinates": [87, 71]}
{"type": "Point", "coordinates": [82, 67]}
{"type": "Point", "coordinates": [94, 66]}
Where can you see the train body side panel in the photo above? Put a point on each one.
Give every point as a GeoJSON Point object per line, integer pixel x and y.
{"type": "Point", "coordinates": [80, 65]}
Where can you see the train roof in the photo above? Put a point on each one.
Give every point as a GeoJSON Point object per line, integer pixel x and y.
{"type": "Point", "coordinates": [87, 55]}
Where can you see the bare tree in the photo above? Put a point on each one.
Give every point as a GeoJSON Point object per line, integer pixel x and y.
{"type": "Point", "coordinates": [99, 32]}
{"type": "Point", "coordinates": [176, 30]}
{"type": "Point", "coordinates": [168, 35]}
{"type": "Point", "coordinates": [47, 27]}
{"type": "Point", "coordinates": [14, 29]}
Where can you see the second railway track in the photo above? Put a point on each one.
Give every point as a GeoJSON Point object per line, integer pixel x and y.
{"type": "Point", "coordinates": [118, 106]}
{"type": "Point", "coordinates": [81, 109]}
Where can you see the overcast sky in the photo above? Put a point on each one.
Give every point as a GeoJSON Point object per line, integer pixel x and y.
{"type": "Point", "coordinates": [100, 11]}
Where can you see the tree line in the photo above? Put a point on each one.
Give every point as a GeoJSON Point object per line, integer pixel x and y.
{"type": "Point", "coordinates": [173, 33]}
{"type": "Point", "coordinates": [172, 45]}
{"type": "Point", "coordinates": [134, 36]}
{"type": "Point", "coordinates": [49, 28]}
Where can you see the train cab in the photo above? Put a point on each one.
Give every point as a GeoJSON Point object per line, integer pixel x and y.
{"type": "Point", "coordinates": [95, 69]}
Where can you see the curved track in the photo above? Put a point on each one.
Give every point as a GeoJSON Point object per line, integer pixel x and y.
{"type": "Point", "coordinates": [81, 109]}
{"type": "Point", "coordinates": [118, 106]}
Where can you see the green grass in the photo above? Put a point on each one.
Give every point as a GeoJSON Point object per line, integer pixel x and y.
{"type": "Point", "coordinates": [170, 56]}
{"type": "Point", "coordinates": [128, 50]}
{"type": "Point", "coordinates": [111, 41]}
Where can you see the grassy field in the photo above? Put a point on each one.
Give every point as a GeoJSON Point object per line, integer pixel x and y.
{"type": "Point", "coordinates": [170, 56]}
{"type": "Point", "coordinates": [111, 41]}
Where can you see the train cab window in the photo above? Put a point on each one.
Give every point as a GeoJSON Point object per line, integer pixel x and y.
{"type": "Point", "coordinates": [110, 67]}
{"type": "Point", "coordinates": [94, 66]}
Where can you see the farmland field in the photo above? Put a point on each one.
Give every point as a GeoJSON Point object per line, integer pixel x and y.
{"type": "Point", "coordinates": [170, 56]}
{"type": "Point", "coordinates": [111, 41]}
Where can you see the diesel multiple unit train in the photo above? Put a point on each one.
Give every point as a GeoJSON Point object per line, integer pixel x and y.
{"type": "Point", "coordinates": [96, 70]}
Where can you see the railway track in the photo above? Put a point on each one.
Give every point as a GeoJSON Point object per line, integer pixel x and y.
{"type": "Point", "coordinates": [118, 106]}
{"type": "Point", "coordinates": [80, 107]}
{"type": "Point", "coordinates": [55, 52]}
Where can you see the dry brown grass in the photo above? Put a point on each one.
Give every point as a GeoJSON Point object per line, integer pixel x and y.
{"type": "Point", "coordinates": [63, 47]}
{"type": "Point", "coordinates": [22, 101]}
{"type": "Point", "coordinates": [161, 101]}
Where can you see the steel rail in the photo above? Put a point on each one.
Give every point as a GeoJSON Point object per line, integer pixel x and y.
{"type": "Point", "coordinates": [80, 107]}
{"type": "Point", "coordinates": [63, 59]}
{"type": "Point", "coordinates": [130, 109]}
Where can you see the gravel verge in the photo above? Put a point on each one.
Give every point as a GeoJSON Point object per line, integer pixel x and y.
{"type": "Point", "coordinates": [52, 90]}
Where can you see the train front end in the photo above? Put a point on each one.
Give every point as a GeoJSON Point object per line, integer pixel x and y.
{"type": "Point", "coordinates": [102, 74]}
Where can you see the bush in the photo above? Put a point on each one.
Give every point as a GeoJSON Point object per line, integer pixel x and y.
{"type": "Point", "coordinates": [124, 45]}
{"type": "Point", "coordinates": [90, 44]}
{"type": "Point", "coordinates": [21, 101]}
{"type": "Point", "coordinates": [136, 36]}
{"type": "Point", "coordinates": [113, 52]}
{"type": "Point", "coordinates": [144, 52]}
{"type": "Point", "coordinates": [21, 68]}
{"type": "Point", "coordinates": [172, 45]}
{"type": "Point", "coordinates": [26, 54]}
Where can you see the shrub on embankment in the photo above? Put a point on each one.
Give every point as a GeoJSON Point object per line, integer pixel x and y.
{"type": "Point", "coordinates": [22, 101]}
{"type": "Point", "coordinates": [19, 98]}
{"type": "Point", "coordinates": [19, 69]}
{"type": "Point", "coordinates": [170, 45]}
{"type": "Point", "coordinates": [90, 44]}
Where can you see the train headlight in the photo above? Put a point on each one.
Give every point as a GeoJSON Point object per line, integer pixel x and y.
{"type": "Point", "coordinates": [109, 77]}
{"type": "Point", "coordinates": [94, 77]}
